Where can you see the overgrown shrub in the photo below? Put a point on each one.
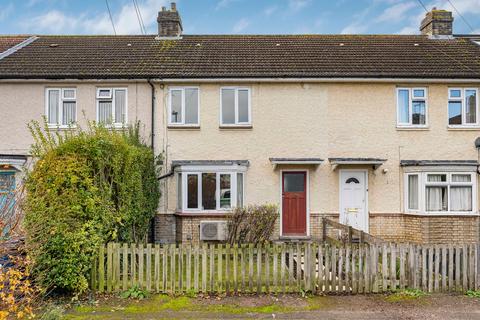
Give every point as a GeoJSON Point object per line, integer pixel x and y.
{"type": "Point", "coordinates": [252, 224]}
{"type": "Point", "coordinates": [86, 188]}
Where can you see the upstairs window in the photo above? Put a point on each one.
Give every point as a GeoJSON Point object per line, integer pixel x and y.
{"type": "Point", "coordinates": [183, 106]}
{"type": "Point", "coordinates": [411, 107]}
{"type": "Point", "coordinates": [112, 106]}
{"type": "Point", "coordinates": [61, 107]}
{"type": "Point", "coordinates": [463, 107]}
{"type": "Point", "coordinates": [235, 107]}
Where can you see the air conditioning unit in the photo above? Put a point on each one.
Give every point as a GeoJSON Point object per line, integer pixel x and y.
{"type": "Point", "coordinates": [213, 230]}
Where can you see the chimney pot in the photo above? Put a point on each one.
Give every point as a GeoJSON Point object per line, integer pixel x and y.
{"type": "Point", "coordinates": [437, 23]}
{"type": "Point", "coordinates": [169, 22]}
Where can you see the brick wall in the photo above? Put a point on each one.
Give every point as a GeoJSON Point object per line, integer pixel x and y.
{"type": "Point", "coordinates": [390, 227]}
{"type": "Point", "coordinates": [165, 228]}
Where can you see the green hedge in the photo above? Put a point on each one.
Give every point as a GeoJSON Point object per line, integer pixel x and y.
{"type": "Point", "coordinates": [86, 188]}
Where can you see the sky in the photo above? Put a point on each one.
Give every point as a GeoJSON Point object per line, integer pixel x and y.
{"type": "Point", "coordinates": [233, 16]}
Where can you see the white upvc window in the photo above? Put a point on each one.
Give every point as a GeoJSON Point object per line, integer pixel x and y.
{"type": "Point", "coordinates": [61, 107]}
{"type": "Point", "coordinates": [184, 106]}
{"type": "Point", "coordinates": [209, 190]}
{"type": "Point", "coordinates": [412, 107]}
{"type": "Point", "coordinates": [112, 106]}
{"type": "Point", "coordinates": [441, 192]}
{"type": "Point", "coordinates": [235, 106]}
{"type": "Point", "coordinates": [463, 107]}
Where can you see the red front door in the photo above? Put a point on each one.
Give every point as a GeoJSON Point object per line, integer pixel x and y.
{"type": "Point", "coordinates": [294, 203]}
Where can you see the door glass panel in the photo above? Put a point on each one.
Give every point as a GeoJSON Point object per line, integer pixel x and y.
{"type": "Point", "coordinates": [192, 191]}
{"type": "Point", "coordinates": [209, 187]}
{"type": "Point", "coordinates": [352, 180]}
{"type": "Point", "coordinates": [293, 182]}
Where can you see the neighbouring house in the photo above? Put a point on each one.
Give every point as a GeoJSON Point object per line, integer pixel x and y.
{"type": "Point", "coordinates": [379, 132]}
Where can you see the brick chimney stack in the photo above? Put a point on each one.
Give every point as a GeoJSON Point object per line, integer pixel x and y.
{"type": "Point", "coordinates": [169, 22]}
{"type": "Point", "coordinates": [437, 23]}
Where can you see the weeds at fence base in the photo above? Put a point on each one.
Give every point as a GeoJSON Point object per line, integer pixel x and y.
{"type": "Point", "coordinates": [406, 295]}
{"type": "Point", "coordinates": [473, 293]}
{"type": "Point", "coordinates": [134, 293]}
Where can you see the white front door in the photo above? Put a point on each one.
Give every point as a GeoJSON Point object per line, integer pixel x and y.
{"type": "Point", "coordinates": [353, 199]}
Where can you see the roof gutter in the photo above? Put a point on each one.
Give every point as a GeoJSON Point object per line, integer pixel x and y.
{"type": "Point", "coordinates": [258, 80]}
{"type": "Point", "coordinates": [319, 80]}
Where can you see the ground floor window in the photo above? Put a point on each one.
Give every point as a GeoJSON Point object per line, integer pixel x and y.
{"type": "Point", "coordinates": [209, 190]}
{"type": "Point", "coordinates": [441, 192]}
{"type": "Point", "coordinates": [7, 191]}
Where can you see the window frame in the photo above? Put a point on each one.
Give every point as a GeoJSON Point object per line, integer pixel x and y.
{"type": "Point", "coordinates": [169, 99]}
{"type": "Point", "coordinates": [461, 99]}
{"type": "Point", "coordinates": [233, 171]}
{"type": "Point", "coordinates": [237, 123]}
{"type": "Point", "coordinates": [423, 183]}
{"type": "Point", "coordinates": [411, 99]}
{"type": "Point", "coordinates": [61, 99]}
{"type": "Point", "coordinates": [113, 90]}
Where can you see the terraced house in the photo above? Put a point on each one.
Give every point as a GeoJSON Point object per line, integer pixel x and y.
{"type": "Point", "coordinates": [379, 132]}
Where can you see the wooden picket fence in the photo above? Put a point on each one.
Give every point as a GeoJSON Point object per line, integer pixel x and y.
{"type": "Point", "coordinates": [285, 268]}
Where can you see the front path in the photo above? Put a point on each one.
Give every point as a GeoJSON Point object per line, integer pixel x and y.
{"type": "Point", "coordinates": [368, 307]}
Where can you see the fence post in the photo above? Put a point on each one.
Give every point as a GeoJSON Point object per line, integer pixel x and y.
{"type": "Point", "coordinates": [101, 269]}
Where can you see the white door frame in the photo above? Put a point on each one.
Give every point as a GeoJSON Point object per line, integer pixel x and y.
{"type": "Point", "coordinates": [340, 183]}
{"type": "Point", "coordinates": [308, 200]}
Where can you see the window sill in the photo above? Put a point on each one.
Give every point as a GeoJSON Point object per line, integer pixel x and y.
{"type": "Point", "coordinates": [463, 128]}
{"type": "Point", "coordinates": [206, 214]}
{"type": "Point", "coordinates": [117, 126]}
{"type": "Point", "coordinates": [443, 214]}
{"type": "Point", "coordinates": [413, 128]}
{"type": "Point", "coordinates": [61, 128]}
{"type": "Point", "coordinates": [236, 127]}
{"type": "Point", "coordinates": [183, 127]}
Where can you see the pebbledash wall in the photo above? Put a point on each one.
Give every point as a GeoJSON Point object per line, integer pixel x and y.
{"type": "Point", "coordinates": [321, 120]}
